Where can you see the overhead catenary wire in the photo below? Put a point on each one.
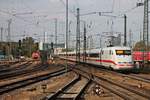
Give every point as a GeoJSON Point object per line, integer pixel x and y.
{"type": "Point", "coordinates": [73, 13]}
{"type": "Point", "coordinates": [18, 16]}
{"type": "Point", "coordinates": [14, 15]}
{"type": "Point", "coordinates": [77, 3]}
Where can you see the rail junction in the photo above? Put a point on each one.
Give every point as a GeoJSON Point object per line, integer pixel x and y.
{"type": "Point", "coordinates": [80, 81]}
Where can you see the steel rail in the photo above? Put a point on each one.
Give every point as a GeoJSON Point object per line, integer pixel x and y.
{"type": "Point", "coordinates": [65, 87]}
{"type": "Point", "coordinates": [28, 81]}
{"type": "Point", "coordinates": [17, 72]}
{"type": "Point", "coordinates": [3, 71]}
{"type": "Point", "coordinates": [145, 79]}
{"type": "Point", "coordinates": [114, 83]}
{"type": "Point", "coordinates": [117, 73]}
{"type": "Point", "coordinates": [82, 90]}
{"type": "Point", "coordinates": [59, 91]}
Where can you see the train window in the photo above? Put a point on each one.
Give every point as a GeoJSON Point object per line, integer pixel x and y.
{"type": "Point", "coordinates": [127, 52]}
{"type": "Point", "coordinates": [119, 52]}
{"type": "Point", "coordinates": [94, 55]}
{"type": "Point", "coordinates": [123, 52]}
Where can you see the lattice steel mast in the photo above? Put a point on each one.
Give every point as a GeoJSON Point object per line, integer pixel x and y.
{"type": "Point", "coordinates": [145, 28]}
{"type": "Point", "coordinates": [78, 37]}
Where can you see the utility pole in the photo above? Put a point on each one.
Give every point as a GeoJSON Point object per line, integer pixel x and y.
{"type": "Point", "coordinates": [130, 38]}
{"type": "Point", "coordinates": [145, 30]}
{"type": "Point", "coordinates": [69, 35]}
{"type": "Point", "coordinates": [100, 43]}
{"type": "Point", "coordinates": [112, 34]}
{"type": "Point", "coordinates": [91, 43]}
{"type": "Point", "coordinates": [66, 34]}
{"type": "Point", "coordinates": [30, 45]}
{"type": "Point", "coordinates": [1, 34]}
{"type": "Point", "coordinates": [56, 34]}
{"type": "Point", "coordinates": [78, 37]}
{"type": "Point", "coordinates": [9, 39]}
{"type": "Point", "coordinates": [84, 45]}
{"type": "Point", "coordinates": [141, 35]}
{"type": "Point", "coordinates": [44, 36]}
{"type": "Point", "coordinates": [125, 30]}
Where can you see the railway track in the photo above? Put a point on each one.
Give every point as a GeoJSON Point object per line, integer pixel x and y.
{"type": "Point", "coordinates": [132, 76]}
{"type": "Point", "coordinates": [124, 91]}
{"type": "Point", "coordinates": [147, 78]}
{"type": "Point", "coordinates": [7, 66]}
{"type": "Point", "coordinates": [71, 91]}
{"type": "Point", "coordinates": [23, 69]}
{"type": "Point", "coordinates": [14, 67]}
{"type": "Point", "coordinates": [4, 63]}
{"type": "Point", "coordinates": [24, 82]}
{"type": "Point", "coordinates": [138, 78]}
{"type": "Point", "coordinates": [23, 74]}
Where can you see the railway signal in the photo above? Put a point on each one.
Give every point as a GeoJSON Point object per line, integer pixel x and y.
{"type": "Point", "coordinates": [44, 87]}
{"type": "Point", "coordinates": [19, 42]}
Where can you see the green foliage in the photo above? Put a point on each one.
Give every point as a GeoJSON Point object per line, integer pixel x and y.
{"type": "Point", "coordinates": [23, 47]}
{"type": "Point", "coordinates": [140, 46]}
{"type": "Point", "coordinates": [28, 46]}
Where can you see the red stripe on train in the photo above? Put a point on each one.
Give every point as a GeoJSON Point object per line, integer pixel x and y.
{"type": "Point", "coordinates": [107, 61]}
{"type": "Point", "coordinates": [110, 61]}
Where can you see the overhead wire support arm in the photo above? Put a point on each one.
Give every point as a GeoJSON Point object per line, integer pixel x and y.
{"type": "Point", "coordinates": [19, 17]}
{"type": "Point", "coordinates": [69, 10]}
{"type": "Point", "coordinates": [92, 13]}
{"type": "Point", "coordinates": [25, 13]}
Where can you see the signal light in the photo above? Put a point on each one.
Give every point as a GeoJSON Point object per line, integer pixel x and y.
{"type": "Point", "coordinates": [19, 43]}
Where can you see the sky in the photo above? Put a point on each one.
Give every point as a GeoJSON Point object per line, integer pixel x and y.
{"type": "Point", "coordinates": [36, 17]}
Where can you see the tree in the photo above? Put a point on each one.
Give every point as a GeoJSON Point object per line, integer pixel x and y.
{"type": "Point", "coordinates": [140, 46]}
{"type": "Point", "coordinates": [28, 46]}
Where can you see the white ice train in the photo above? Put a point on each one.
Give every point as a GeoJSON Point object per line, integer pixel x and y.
{"type": "Point", "coordinates": [116, 58]}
